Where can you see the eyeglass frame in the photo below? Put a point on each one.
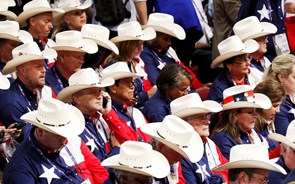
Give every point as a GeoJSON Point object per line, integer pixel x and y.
{"type": "Point", "coordinates": [245, 60]}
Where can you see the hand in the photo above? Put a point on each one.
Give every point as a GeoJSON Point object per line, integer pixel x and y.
{"type": "Point", "coordinates": [113, 140]}
{"type": "Point", "coordinates": [107, 109]}
{"type": "Point", "coordinates": [152, 91]}
{"type": "Point", "coordinates": [13, 132]}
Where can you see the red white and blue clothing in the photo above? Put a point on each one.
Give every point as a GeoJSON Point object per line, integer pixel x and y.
{"type": "Point", "coordinates": [55, 80]}
{"type": "Point", "coordinates": [75, 163]}
{"type": "Point", "coordinates": [277, 177]}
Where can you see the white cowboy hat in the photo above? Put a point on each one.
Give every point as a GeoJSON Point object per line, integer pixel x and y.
{"type": "Point", "coordinates": [251, 27]}
{"type": "Point", "coordinates": [164, 23]}
{"type": "Point", "coordinates": [33, 8]}
{"type": "Point", "coordinates": [73, 41]}
{"type": "Point", "coordinates": [250, 156]}
{"type": "Point", "coordinates": [10, 30]}
{"type": "Point", "coordinates": [242, 96]}
{"type": "Point", "coordinates": [192, 104]}
{"type": "Point", "coordinates": [100, 35]}
{"type": "Point", "coordinates": [119, 70]}
{"type": "Point", "coordinates": [177, 135]}
{"type": "Point", "coordinates": [5, 4]}
{"type": "Point", "coordinates": [4, 82]}
{"type": "Point", "coordinates": [25, 53]}
{"type": "Point", "coordinates": [139, 157]}
{"type": "Point", "coordinates": [233, 46]}
{"type": "Point", "coordinates": [289, 139]}
{"type": "Point", "coordinates": [56, 117]}
{"type": "Point", "coordinates": [83, 79]}
{"type": "Point", "coordinates": [132, 31]}
{"type": "Point", "coordinates": [67, 6]}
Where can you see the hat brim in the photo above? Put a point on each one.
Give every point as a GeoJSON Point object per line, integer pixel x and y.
{"type": "Point", "coordinates": [268, 28]}
{"type": "Point", "coordinates": [251, 164]}
{"type": "Point", "coordinates": [106, 44]}
{"type": "Point", "coordinates": [65, 95]}
{"type": "Point", "coordinates": [261, 102]}
{"type": "Point", "coordinates": [23, 36]}
{"type": "Point", "coordinates": [250, 47]}
{"type": "Point", "coordinates": [159, 169]}
{"type": "Point", "coordinates": [89, 46]}
{"type": "Point", "coordinates": [194, 152]}
{"type": "Point", "coordinates": [210, 106]}
{"type": "Point", "coordinates": [22, 18]}
{"type": "Point", "coordinates": [280, 138]}
{"type": "Point", "coordinates": [73, 128]}
{"type": "Point", "coordinates": [4, 82]}
{"type": "Point", "coordinates": [175, 31]}
{"type": "Point", "coordinates": [9, 14]}
{"type": "Point", "coordinates": [122, 75]}
{"type": "Point", "coordinates": [148, 34]}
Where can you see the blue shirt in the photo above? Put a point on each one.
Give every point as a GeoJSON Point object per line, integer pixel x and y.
{"type": "Point", "coordinates": [277, 177]}
{"type": "Point", "coordinates": [55, 80]}
{"type": "Point", "coordinates": [157, 107]}
{"type": "Point", "coordinates": [265, 132]}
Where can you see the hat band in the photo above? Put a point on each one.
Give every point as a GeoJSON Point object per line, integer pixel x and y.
{"type": "Point", "coordinates": [174, 143]}
{"type": "Point", "coordinates": [247, 96]}
{"type": "Point", "coordinates": [136, 167]}
{"type": "Point", "coordinates": [53, 125]}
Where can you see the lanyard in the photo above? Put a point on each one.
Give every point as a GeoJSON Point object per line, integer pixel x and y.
{"type": "Point", "coordinates": [57, 78]}
{"type": "Point", "coordinates": [30, 107]}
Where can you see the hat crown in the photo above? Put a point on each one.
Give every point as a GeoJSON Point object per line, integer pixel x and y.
{"type": "Point", "coordinates": [191, 100]}
{"type": "Point", "coordinates": [238, 93]}
{"type": "Point", "coordinates": [247, 27]}
{"type": "Point", "coordinates": [131, 28]}
{"type": "Point", "coordinates": [231, 44]}
{"type": "Point", "coordinates": [116, 68]}
{"type": "Point", "coordinates": [30, 48]}
{"type": "Point", "coordinates": [67, 4]}
{"type": "Point", "coordinates": [69, 38]}
{"type": "Point", "coordinates": [176, 130]}
{"type": "Point", "coordinates": [249, 152]}
{"type": "Point", "coordinates": [5, 4]}
{"type": "Point", "coordinates": [161, 19]}
{"type": "Point", "coordinates": [95, 32]}
{"type": "Point", "coordinates": [290, 134]}
{"type": "Point", "coordinates": [36, 4]}
{"type": "Point", "coordinates": [135, 154]}
{"type": "Point", "coordinates": [85, 76]}
{"type": "Point", "coordinates": [51, 113]}
{"type": "Point", "coordinates": [9, 27]}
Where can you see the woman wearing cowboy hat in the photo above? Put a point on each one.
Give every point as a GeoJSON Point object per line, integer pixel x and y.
{"type": "Point", "coordinates": [130, 44]}
{"type": "Point", "coordinates": [235, 56]}
{"type": "Point", "coordinates": [282, 70]}
{"type": "Point", "coordinates": [237, 121]}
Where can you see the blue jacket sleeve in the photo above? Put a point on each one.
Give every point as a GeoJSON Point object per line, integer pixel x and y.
{"type": "Point", "coordinates": [150, 66]}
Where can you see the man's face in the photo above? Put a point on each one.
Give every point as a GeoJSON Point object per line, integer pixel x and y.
{"type": "Point", "coordinates": [200, 123]}
{"type": "Point", "coordinates": [71, 61]}
{"type": "Point", "coordinates": [34, 73]}
{"type": "Point", "coordinates": [89, 100]}
{"type": "Point", "coordinates": [162, 41]}
{"type": "Point", "coordinates": [124, 91]}
{"type": "Point", "coordinates": [6, 48]}
{"type": "Point", "coordinates": [41, 25]}
{"type": "Point", "coordinates": [289, 157]}
{"type": "Point", "coordinates": [171, 155]}
{"type": "Point", "coordinates": [51, 141]}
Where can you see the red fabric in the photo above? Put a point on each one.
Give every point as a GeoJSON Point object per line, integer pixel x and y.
{"type": "Point", "coordinates": [290, 30]}
{"type": "Point", "coordinates": [181, 179]}
{"type": "Point", "coordinates": [275, 153]}
{"type": "Point", "coordinates": [121, 130]}
{"type": "Point", "coordinates": [97, 174]}
{"type": "Point", "coordinates": [195, 83]}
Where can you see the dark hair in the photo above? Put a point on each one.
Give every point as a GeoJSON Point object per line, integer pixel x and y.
{"type": "Point", "coordinates": [170, 76]}
{"type": "Point", "coordinates": [234, 173]}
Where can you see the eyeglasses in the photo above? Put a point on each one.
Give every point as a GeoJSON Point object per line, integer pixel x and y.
{"type": "Point", "coordinates": [262, 181]}
{"type": "Point", "coordinates": [202, 117]}
{"type": "Point", "coordinates": [184, 89]}
{"type": "Point", "coordinates": [245, 59]}
{"type": "Point", "coordinates": [128, 84]}
{"type": "Point", "coordinates": [262, 39]}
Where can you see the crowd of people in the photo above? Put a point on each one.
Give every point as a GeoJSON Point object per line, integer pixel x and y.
{"type": "Point", "coordinates": [175, 92]}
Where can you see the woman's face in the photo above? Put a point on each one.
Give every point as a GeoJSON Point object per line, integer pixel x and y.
{"type": "Point", "coordinates": [289, 82]}
{"type": "Point", "coordinates": [240, 65]}
{"type": "Point", "coordinates": [75, 19]}
{"type": "Point", "coordinates": [246, 119]}
{"type": "Point", "coordinates": [269, 114]}
{"type": "Point", "coordinates": [137, 48]}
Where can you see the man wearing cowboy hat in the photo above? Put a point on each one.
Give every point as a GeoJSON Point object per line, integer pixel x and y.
{"type": "Point", "coordinates": [136, 163]}
{"type": "Point", "coordinates": [122, 94]}
{"type": "Point", "coordinates": [287, 158]}
{"type": "Point", "coordinates": [175, 139]}
{"type": "Point", "coordinates": [197, 113]}
{"type": "Point", "coordinates": [5, 14]}
{"type": "Point", "coordinates": [249, 163]}
{"type": "Point", "coordinates": [29, 87]}
{"type": "Point", "coordinates": [86, 93]}
{"type": "Point", "coordinates": [53, 152]}
{"type": "Point", "coordinates": [71, 48]}
{"type": "Point", "coordinates": [158, 51]}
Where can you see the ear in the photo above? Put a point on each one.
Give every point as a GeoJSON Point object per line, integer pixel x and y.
{"type": "Point", "coordinates": [113, 89]}
{"type": "Point", "coordinates": [243, 178]}
{"type": "Point", "coordinates": [76, 99]}
{"type": "Point", "coordinates": [66, 19]}
{"type": "Point", "coordinates": [281, 78]}
{"type": "Point", "coordinates": [32, 21]}
{"type": "Point", "coordinates": [228, 65]}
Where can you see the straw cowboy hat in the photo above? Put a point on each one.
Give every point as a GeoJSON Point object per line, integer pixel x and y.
{"type": "Point", "coordinates": [192, 104]}
{"type": "Point", "coordinates": [177, 135]}
{"type": "Point", "coordinates": [100, 35]}
{"type": "Point", "coordinates": [10, 30]}
{"type": "Point", "coordinates": [67, 6]}
{"type": "Point", "coordinates": [33, 8]}
{"type": "Point", "coordinates": [233, 46]}
{"type": "Point", "coordinates": [4, 82]}
{"type": "Point", "coordinates": [242, 96]}
{"type": "Point", "coordinates": [289, 139]}
{"type": "Point", "coordinates": [119, 70]}
{"type": "Point", "coordinates": [140, 158]}
{"type": "Point", "coordinates": [250, 156]}
{"type": "Point", "coordinates": [73, 41]}
{"type": "Point", "coordinates": [56, 117]}
{"type": "Point", "coordinates": [132, 31]}
{"type": "Point", "coordinates": [251, 27]}
{"type": "Point", "coordinates": [164, 23]}
{"type": "Point", "coordinates": [25, 53]}
{"type": "Point", "coordinates": [83, 79]}
{"type": "Point", "coordinates": [5, 4]}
